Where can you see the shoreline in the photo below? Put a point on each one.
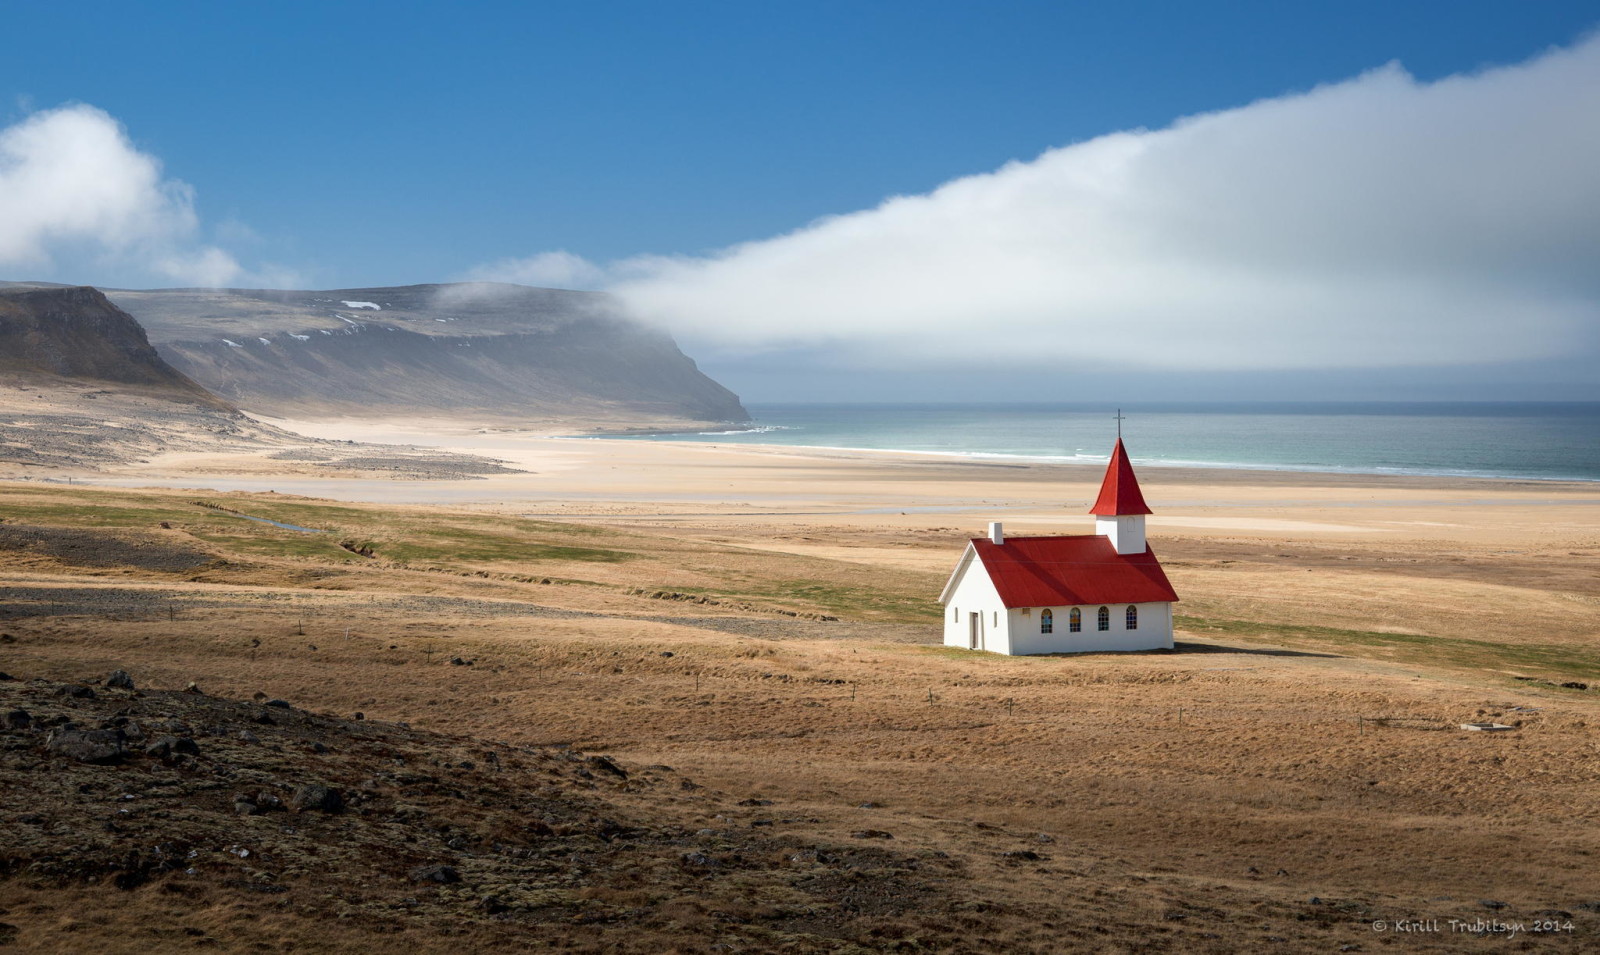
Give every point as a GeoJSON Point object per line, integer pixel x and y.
{"type": "Point", "coordinates": [1541, 441]}
{"type": "Point", "coordinates": [744, 489]}
{"type": "Point", "coordinates": [428, 432]}
{"type": "Point", "coordinates": [1100, 462]}
{"type": "Point", "coordinates": [751, 488]}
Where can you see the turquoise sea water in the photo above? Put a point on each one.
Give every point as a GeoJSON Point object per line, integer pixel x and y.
{"type": "Point", "coordinates": [1549, 441]}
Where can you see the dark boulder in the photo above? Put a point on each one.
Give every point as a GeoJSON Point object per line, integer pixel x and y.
{"type": "Point", "coordinates": [493, 905]}
{"type": "Point", "coordinates": [441, 874]}
{"type": "Point", "coordinates": [315, 797]}
{"type": "Point", "coordinates": [119, 680]}
{"type": "Point", "coordinates": [605, 765]}
{"type": "Point", "coordinates": [18, 720]}
{"type": "Point", "coordinates": [166, 747]}
{"type": "Point", "coordinates": [86, 746]}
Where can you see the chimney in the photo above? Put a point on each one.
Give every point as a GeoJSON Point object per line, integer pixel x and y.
{"type": "Point", "coordinates": [997, 534]}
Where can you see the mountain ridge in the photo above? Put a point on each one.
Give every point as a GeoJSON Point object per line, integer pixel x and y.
{"type": "Point", "coordinates": [474, 347]}
{"type": "Point", "coordinates": [74, 333]}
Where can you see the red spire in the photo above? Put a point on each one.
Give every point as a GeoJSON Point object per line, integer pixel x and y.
{"type": "Point", "coordinates": [1119, 493]}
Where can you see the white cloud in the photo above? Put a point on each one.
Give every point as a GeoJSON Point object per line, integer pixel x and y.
{"type": "Point", "coordinates": [559, 269]}
{"type": "Point", "coordinates": [1378, 221]}
{"type": "Point", "coordinates": [71, 181]}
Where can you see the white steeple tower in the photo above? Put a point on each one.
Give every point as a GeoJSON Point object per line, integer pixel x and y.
{"type": "Point", "coordinates": [1120, 509]}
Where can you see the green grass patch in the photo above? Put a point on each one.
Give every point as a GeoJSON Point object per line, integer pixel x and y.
{"type": "Point", "coordinates": [1533, 659]}
{"type": "Point", "coordinates": [320, 547]}
{"type": "Point", "coordinates": [93, 515]}
{"type": "Point", "coordinates": [452, 543]}
{"type": "Point", "coordinates": [859, 603]}
{"type": "Point", "coordinates": [317, 516]}
{"type": "Point", "coordinates": [870, 602]}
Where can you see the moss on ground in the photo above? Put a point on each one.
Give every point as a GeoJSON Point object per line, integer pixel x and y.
{"type": "Point", "coordinates": [1534, 659]}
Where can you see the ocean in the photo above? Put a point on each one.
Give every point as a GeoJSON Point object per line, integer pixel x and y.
{"type": "Point", "coordinates": [1525, 440]}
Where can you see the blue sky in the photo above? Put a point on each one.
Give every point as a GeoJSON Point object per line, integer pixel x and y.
{"type": "Point", "coordinates": [343, 145]}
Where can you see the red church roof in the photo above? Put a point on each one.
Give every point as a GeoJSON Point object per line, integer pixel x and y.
{"type": "Point", "coordinates": [1119, 492]}
{"type": "Point", "coordinates": [1064, 571]}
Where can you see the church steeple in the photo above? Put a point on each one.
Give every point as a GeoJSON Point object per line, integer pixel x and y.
{"type": "Point", "coordinates": [1120, 509]}
{"type": "Point", "coordinates": [1119, 492]}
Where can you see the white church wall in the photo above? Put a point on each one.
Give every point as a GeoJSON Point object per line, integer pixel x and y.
{"type": "Point", "coordinates": [1153, 633]}
{"type": "Point", "coordinates": [974, 593]}
{"type": "Point", "coordinates": [1025, 635]}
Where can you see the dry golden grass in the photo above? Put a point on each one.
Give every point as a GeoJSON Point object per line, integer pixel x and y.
{"type": "Point", "coordinates": [1194, 801]}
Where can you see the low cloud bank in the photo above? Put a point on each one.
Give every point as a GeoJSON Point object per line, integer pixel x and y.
{"type": "Point", "coordinates": [559, 269]}
{"type": "Point", "coordinates": [72, 183]}
{"type": "Point", "coordinates": [1374, 222]}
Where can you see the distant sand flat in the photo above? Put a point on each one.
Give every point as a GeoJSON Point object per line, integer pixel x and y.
{"type": "Point", "coordinates": [644, 479]}
{"type": "Point", "coordinates": [1263, 524]}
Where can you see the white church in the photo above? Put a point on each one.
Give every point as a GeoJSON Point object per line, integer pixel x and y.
{"type": "Point", "coordinates": [1077, 594]}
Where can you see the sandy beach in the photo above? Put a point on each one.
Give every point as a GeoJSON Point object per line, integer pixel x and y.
{"type": "Point", "coordinates": [596, 477]}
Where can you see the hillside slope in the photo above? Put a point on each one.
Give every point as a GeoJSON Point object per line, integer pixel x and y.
{"type": "Point", "coordinates": [75, 333]}
{"type": "Point", "coordinates": [483, 347]}
{"type": "Point", "coordinates": [83, 390]}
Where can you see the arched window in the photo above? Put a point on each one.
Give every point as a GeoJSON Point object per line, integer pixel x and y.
{"type": "Point", "coordinates": [1105, 618]}
{"type": "Point", "coordinates": [1075, 621]}
{"type": "Point", "coordinates": [1132, 622]}
{"type": "Point", "coordinates": [1047, 622]}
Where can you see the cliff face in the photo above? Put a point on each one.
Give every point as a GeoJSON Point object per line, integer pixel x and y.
{"type": "Point", "coordinates": [502, 349]}
{"type": "Point", "coordinates": [70, 332]}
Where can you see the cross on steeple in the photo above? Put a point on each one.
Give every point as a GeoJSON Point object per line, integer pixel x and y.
{"type": "Point", "coordinates": [1119, 424]}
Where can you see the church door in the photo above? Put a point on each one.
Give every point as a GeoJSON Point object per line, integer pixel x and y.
{"type": "Point", "coordinates": [977, 631]}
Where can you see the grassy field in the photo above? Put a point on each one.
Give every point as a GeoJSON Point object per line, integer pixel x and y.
{"type": "Point", "coordinates": [1557, 661]}
{"type": "Point", "coordinates": [379, 539]}
{"type": "Point", "coordinates": [1279, 783]}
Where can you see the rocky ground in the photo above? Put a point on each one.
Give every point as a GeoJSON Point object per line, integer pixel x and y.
{"type": "Point", "coordinates": [53, 431]}
{"type": "Point", "coordinates": [132, 795]}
